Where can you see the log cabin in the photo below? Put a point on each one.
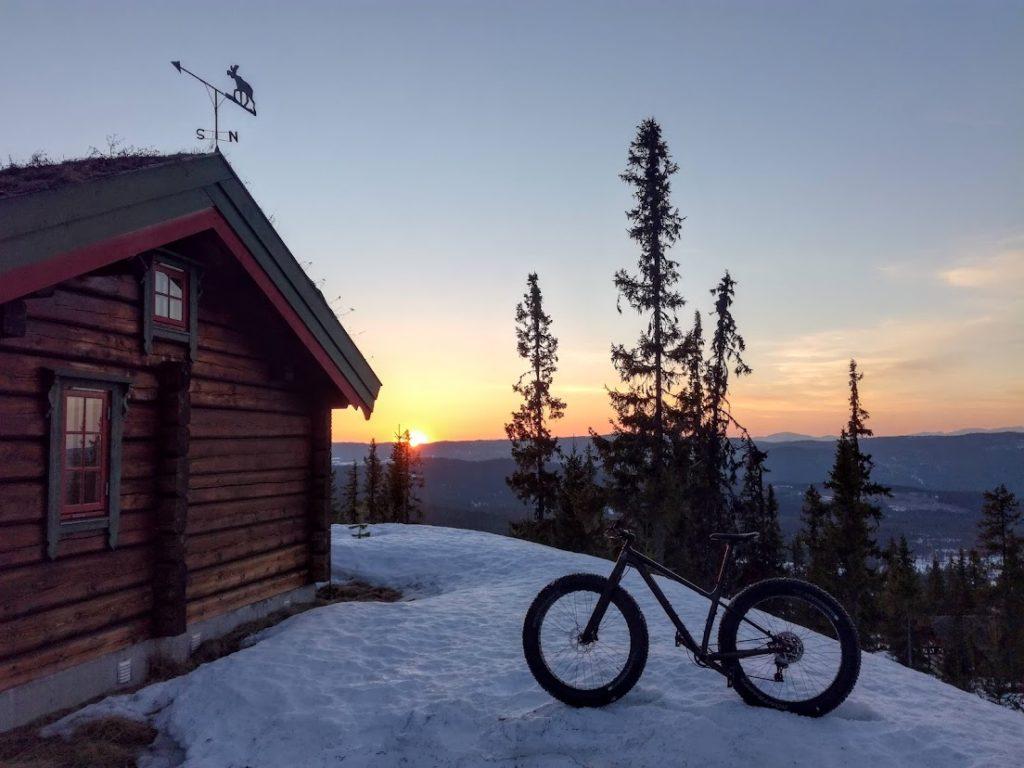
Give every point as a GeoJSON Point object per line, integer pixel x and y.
{"type": "Point", "coordinates": [167, 377]}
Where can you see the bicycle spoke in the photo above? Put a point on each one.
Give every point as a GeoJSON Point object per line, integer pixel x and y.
{"type": "Point", "coordinates": [586, 666]}
{"type": "Point", "coordinates": [812, 657]}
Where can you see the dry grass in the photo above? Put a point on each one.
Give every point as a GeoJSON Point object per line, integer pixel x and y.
{"type": "Point", "coordinates": [112, 742]}
{"type": "Point", "coordinates": [40, 173]}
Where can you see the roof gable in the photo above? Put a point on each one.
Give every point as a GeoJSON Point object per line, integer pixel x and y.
{"type": "Point", "coordinates": [50, 236]}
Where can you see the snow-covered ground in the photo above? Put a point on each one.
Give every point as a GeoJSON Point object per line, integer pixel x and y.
{"type": "Point", "coordinates": [439, 680]}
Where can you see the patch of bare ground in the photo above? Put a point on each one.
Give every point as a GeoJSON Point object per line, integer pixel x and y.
{"type": "Point", "coordinates": [111, 742]}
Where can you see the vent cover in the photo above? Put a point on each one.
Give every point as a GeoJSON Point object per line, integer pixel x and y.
{"type": "Point", "coordinates": [124, 671]}
{"type": "Point", "coordinates": [194, 641]}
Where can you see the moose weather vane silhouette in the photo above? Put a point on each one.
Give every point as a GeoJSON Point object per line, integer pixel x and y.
{"type": "Point", "coordinates": [242, 96]}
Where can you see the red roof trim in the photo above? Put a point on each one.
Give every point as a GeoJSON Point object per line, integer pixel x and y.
{"type": "Point", "coordinates": [22, 281]}
{"type": "Point", "coordinates": [28, 279]}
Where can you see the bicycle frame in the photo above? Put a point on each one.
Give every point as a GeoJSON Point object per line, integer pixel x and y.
{"type": "Point", "coordinates": [629, 557]}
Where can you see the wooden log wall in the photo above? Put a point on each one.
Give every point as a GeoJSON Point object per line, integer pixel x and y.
{"type": "Point", "coordinates": [225, 481]}
{"type": "Point", "coordinates": [250, 480]}
{"type": "Point", "coordinates": [89, 600]}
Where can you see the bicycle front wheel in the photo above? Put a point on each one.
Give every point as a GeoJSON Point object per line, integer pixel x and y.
{"type": "Point", "coordinates": [584, 674]}
{"type": "Point", "coordinates": [814, 657]}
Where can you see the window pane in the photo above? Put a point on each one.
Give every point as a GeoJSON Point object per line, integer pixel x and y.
{"type": "Point", "coordinates": [73, 450]}
{"type": "Point", "coordinates": [93, 413]}
{"type": "Point", "coordinates": [72, 487]}
{"type": "Point", "coordinates": [74, 407]}
{"type": "Point", "coordinates": [90, 487]}
{"type": "Point", "coordinates": [161, 282]}
{"type": "Point", "coordinates": [175, 313]}
{"type": "Point", "coordinates": [91, 451]}
{"type": "Point", "coordinates": [175, 287]}
{"type": "Point", "coordinates": [161, 306]}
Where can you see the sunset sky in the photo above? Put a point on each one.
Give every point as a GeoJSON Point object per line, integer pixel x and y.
{"type": "Point", "coordinates": [858, 167]}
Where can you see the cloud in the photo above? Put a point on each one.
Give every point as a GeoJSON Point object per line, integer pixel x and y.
{"type": "Point", "coordinates": [1003, 271]}
{"type": "Point", "coordinates": [910, 363]}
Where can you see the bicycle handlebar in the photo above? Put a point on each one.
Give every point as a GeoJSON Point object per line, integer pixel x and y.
{"type": "Point", "coordinates": [620, 530]}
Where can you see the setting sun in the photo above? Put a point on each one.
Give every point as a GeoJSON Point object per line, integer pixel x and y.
{"type": "Point", "coordinates": [417, 438]}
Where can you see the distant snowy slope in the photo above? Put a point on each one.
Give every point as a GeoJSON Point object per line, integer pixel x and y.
{"type": "Point", "coordinates": [439, 680]}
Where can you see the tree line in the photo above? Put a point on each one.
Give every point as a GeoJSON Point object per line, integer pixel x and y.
{"type": "Point", "coordinates": [384, 491]}
{"type": "Point", "coordinates": [678, 465]}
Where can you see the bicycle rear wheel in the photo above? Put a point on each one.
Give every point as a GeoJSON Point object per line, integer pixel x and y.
{"type": "Point", "coordinates": [584, 674]}
{"type": "Point", "coordinates": [815, 659]}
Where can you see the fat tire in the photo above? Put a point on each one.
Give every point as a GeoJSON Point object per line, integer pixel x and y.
{"type": "Point", "coordinates": [635, 662]}
{"type": "Point", "coordinates": [849, 669]}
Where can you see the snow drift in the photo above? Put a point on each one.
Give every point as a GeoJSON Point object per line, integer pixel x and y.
{"type": "Point", "coordinates": [440, 680]}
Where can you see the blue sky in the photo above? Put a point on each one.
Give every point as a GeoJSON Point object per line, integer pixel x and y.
{"type": "Point", "coordinates": [859, 167]}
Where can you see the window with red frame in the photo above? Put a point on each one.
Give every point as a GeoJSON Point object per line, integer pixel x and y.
{"type": "Point", "coordinates": [86, 452]}
{"type": "Point", "coordinates": [170, 295]}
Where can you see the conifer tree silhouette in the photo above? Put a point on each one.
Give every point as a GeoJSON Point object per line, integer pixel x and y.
{"type": "Point", "coordinates": [373, 484]}
{"type": "Point", "coordinates": [758, 511]}
{"type": "Point", "coordinates": [716, 464]}
{"type": "Point", "coordinates": [850, 543]}
{"type": "Point", "coordinates": [402, 478]}
{"type": "Point", "coordinates": [534, 448]}
{"type": "Point", "coordinates": [998, 538]}
{"type": "Point", "coordinates": [901, 605]}
{"type": "Point", "coordinates": [637, 457]}
{"type": "Point", "coordinates": [350, 501]}
{"type": "Point", "coordinates": [578, 520]}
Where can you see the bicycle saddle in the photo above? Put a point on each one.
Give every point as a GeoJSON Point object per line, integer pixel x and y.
{"type": "Point", "coordinates": [734, 538]}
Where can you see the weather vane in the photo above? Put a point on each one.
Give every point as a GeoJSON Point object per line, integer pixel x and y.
{"type": "Point", "coordinates": [242, 96]}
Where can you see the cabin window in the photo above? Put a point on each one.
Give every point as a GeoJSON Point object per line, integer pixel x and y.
{"type": "Point", "coordinates": [170, 295]}
{"type": "Point", "coordinates": [86, 447]}
{"type": "Point", "coordinates": [170, 291]}
{"type": "Point", "coordinates": [84, 484]}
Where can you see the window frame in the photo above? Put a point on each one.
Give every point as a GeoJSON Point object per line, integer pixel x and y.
{"type": "Point", "coordinates": [86, 510]}
{"type": "Point", "coordinates": [155, 328]}
{"type": "Point", "coordinates": [162, 266]}
{"type": "Point", "coordinates": [108, 518]}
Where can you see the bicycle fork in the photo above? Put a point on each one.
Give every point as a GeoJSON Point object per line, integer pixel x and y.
{"type": "Point", "coordinates": [589, 633]}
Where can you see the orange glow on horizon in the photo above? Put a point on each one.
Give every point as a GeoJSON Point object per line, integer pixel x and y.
{"type": "Point", "coordinates": [417, 438]}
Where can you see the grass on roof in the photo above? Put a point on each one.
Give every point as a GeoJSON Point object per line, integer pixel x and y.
{"type": "Point", "coordinates": [41, 174]}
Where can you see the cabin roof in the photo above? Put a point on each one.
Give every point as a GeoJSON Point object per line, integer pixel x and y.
{"type": "Point", "coordinates": [64, 219]}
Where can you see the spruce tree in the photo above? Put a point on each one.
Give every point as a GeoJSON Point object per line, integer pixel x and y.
{"type": "Point", "coordinates": [637, 457]}
{"type": "Point", "coordinates": [716, 462]}
{"type": "Point", "coordinates": [998, 538]}
{"type": "Point", "coordinates": [578, 522]}
{"type": "Point", "coordinates": [901, 632]}
{"type": "Point", "coordinates": [758, 511]}
{"type": "Point", "coordinates": [349, 511]}
{"type": "Point", "coordinates": [684, 551]}
{"type": "Point", "coordinates": [935, 587]}
{"type": "Point", "coordinates": [373, 485]}
{"type": "Point", "coordinates": [770, 546]}
{"type": "Point", "coordinates": [534, 481]}
{"type": "Point", "coordinates": [851, 548]}
{"type": "Point", "coordinates": [337, 511]}
{"type": "Point", "coordinates": [960, 645]}
{"type": "Point", "coordinates": [402, 479]}
{"type": "Point", "coordinates": [814, 519]}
